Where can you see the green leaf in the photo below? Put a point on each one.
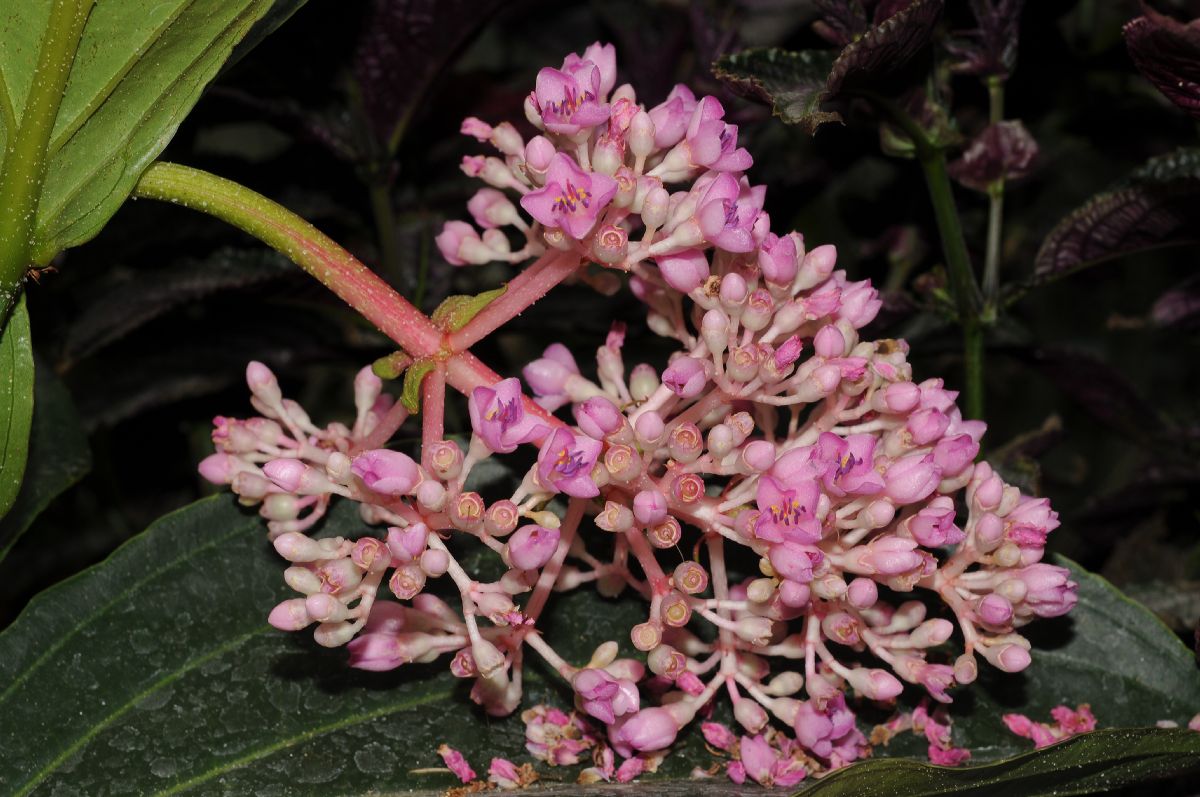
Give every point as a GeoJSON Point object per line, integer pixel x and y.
{"type": "Point", "coordinates": [1095, 762]}
{"type": "Point", "coordinates": [410, 394]}
{"type": "Point", "coordinates": [139, 68]}
{"type": "Point", "coordinates": [58, 456]}
{"type": "Point", "coordinates": [1155, 206]}
{"type": "Point", "coordinates": [156, 669]}
{"type": "Point", "coordinates": [1109, 652]}
{"type": "Point", "coordinates": [16, 402]}
{"type": "Point", "coordinates": [454, 313]}
{"type": "Point", "coordinates": [165, 676]}
{"type": "Point", "coordinates": [793, 82]}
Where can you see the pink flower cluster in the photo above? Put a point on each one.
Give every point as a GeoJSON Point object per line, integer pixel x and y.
{"type": "Point", "coordinates": [775, 434]}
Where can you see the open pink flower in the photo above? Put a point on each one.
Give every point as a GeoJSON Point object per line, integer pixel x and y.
{"type": "Point", "coordinates": [499, 418]}
{"type": "Point", "coordinates": [601, 56]}
{"type": "Point", "coordinates": [787, 511]}
{"type": "Point", "coordinates": [570, 102]}
{"type": "Point", "coordinates": [849, 464]}
{"type": "Point", "coordinates": [565, 463]}
{"type": "Point", "coordinates": [672, 115]}
{"type": "Point", "coordinates": [727, 214]}
{"type": "Point", "coordinates": [572, 199]}
{"type": "Point", "coordinates": [605, 697]}
{"type": "Point", "coordinates": [712, 143]}
{"type": "Point", "coordinates": [768, 766]}
{"type": "Point", "coordinates": [829, 733]}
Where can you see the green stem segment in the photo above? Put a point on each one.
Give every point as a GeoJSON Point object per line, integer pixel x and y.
{"type": "Point", "coordinates": [991, 263]}
{"type": "Point", "coordinates": [304, 245]}
{"type": "Point", "coordinates": [963, 287]}
{"type": "Point", "coordinates": [24, 167]}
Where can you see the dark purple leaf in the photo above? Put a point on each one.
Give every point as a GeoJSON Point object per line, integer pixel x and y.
{"type": "Point", "coordinates": [1017, 460]}
{"type": "Point", "coordinates": [329, 128]}
{"type": "Point", "coordinates": [793, 82]}
{"type": "Point", "coordinates": [1180, 306]}
{"type": "Point", "coordinates": [131, 303]}
{"type": "Point", "coordinates": [1003, 151]}
{"type": "Point", "coordinates": [797, 83]}
{"type": "Point", "coordinates": [403, 47]}
{"type": "Point", "coordinates": [1167, 52]}
{"type": "Point", "coordinates": [989, 50]}
{"type": "Point", "coordinates": [1156, 206]}
{"type": "Point", "coordinates": [1102, 391]}
{"type": "Point", "coordinates": [841, 21]}
{"type": "Point", "coordinates": [885, 48]}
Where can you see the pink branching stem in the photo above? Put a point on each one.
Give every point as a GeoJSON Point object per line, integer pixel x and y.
{"type": "Point", "coordinates": [433, 406]}
{"type": "Point", "coordinates": [550, 573]}
{"type": "Point", "coordinates": [387, 427]}
{"type": "Point", "coordinates": [523, 291]}
{"type": "Point", "coordinates": [720, 584]}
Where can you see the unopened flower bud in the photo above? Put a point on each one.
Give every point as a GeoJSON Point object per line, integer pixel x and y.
{"type": "Point", "coordinates": [874, 684]}
{"type": "Point", "coordinates": [862, 593]}
{"type": "Point", "coordinates": [530, 547]}
{"type": "Point", "coordinates": [291, 615]}
{"type": "Point", "coordinates": [686, 442]}
{"type": "Point", "coordinates": [263, 384]}
{"type": "Point", "coordinates": [435, 562]}
{"type": "Point", "coordinates": [615, 517]}
{"type": "Point", "coordinates": [649, 429]}
{"type": "Point", "coordinates": [649, 507]}
{"type": "Point", "coordinates": [755, 630]}
{"type": "Point", "coordinates": [750, 715]}
{"type": "Point", "coordinates": [666, 661]}
{"type": "Point", "coordinates": [488, 658]}
{"type": "Point", "coordinates": [786, 683]}
{"type": "Point", "coordinates": [1006, 657]}
{"type": "Point", "coordinates": [387, 472]}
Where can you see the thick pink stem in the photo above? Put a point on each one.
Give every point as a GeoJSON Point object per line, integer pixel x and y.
{"type": "Point", "coordinates": [524, 290]}
{"type": "Point", "coordinates": [433, 407]}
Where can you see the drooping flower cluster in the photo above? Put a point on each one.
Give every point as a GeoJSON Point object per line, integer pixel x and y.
{"type": "Point", "coordinates": [774, 429]}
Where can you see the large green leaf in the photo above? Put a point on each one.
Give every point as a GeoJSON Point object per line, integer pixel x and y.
{"type": "Point", "coordinates": [155, 673]}
{"type": "Point", "coordinates": [1110, 652]}
{"type": "Point", "coordinates": [139, 68]}
{"type": "Point", "coordinates": [58, 456]}
{"type": "Point", "coordinates": [16, 402]}
{"type": "Point", "coordinates": [1094, 762]}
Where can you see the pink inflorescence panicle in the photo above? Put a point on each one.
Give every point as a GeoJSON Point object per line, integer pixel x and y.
{"type": "Point", "coordinates": [775, 435]}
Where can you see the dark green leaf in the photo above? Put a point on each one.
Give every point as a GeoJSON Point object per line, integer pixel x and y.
{"type": "Point", "coordinates": [16, 402]}
{"type": "Point", "coordinates": [131, 302]}
{"type": "Point", "coordinates": [58, 456]}
{"type": "Point", "coordinates": [1095, 762]}
{"type": "Point", "coordinates": [140, 67]}
{"type": "Point", "coordinates": [1155, 206]}
{"type": "Point", "coordinates": [156, 673]}
{"type": "Point", "coordinates": [1110, 652]}
{"type": "Point", "coordinates": [793, 82]}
